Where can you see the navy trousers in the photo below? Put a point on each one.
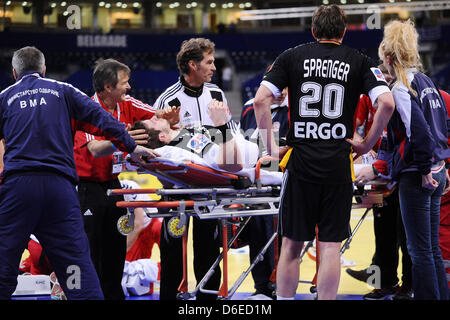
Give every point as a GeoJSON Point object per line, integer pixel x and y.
{"type": "Point", "coordinates": [47, 206]}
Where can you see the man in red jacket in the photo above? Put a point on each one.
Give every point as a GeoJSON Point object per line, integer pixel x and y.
{"type": "Point", "coordinates": [94, 163]}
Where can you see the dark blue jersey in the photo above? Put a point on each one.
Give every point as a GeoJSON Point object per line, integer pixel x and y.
{"type": "Point", "coordinates": [38, 118]}
{"type": "Point", "coordinates": [417, 131]}
{"type": "Point", "coordinates": [280, 122]}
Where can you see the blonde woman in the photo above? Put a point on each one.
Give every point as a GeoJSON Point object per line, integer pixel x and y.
{"type": "Point", "coordinates": [417, 135]}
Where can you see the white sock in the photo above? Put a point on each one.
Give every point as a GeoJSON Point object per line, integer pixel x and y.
{"type": "Point", "coordinates": [283, 298]}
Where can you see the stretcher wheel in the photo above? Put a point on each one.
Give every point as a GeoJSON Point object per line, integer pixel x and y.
{"type": "Point", "coordinates": [313, 289]}
{"type": "Point", "coordinates": [183, 296]}
{"type": "Point", "coordinates": [123, 227]}
{"type": "Point", "coordinates": [174, 229]}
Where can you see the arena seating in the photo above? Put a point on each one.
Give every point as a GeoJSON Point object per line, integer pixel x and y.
{"type": "Point", "coordinates": [154, 66]}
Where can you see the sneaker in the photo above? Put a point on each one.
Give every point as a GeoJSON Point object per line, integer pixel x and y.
{"type": "Point", "coordinates": [311, 253]}
{"type": "Point", "coordinates": [347, 263]}
{"type": "Point", "coordinates": [403, 293]}
{"type": "Point", "coordinates": [259, 296]}
{"type": "Point", "coordinates": [361, 275]}
{"type": "Point", "coordinates": [381, 294]}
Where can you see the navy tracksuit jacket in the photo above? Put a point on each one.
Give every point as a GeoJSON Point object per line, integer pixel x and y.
{"type": "Point", "coordinates": [417, 131]}
{"type": "Point", "coordinates": [38, 118]}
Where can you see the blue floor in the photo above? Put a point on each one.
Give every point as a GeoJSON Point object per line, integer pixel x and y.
{"type": "Point", "coordinates": [242, 296]}
{"type": "Point", "coordinates": [236, 296]}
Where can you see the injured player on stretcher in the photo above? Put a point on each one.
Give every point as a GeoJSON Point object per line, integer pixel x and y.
{"type": "Point", "coordinates": [221, 147]}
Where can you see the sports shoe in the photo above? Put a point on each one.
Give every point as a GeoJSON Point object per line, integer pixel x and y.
{"type": "Point", "coordinates": [403, 293]}
{"type": "Point", "coordinates": [311, 253]}
{"type": "Point", "coordinates": [381, 294]}
{"type": "Point", "coordinates": [347, 263]}
{"type": "Point", "coordinates": [361, 275]}
{"type": "Point", "coordinates": [259, 296]}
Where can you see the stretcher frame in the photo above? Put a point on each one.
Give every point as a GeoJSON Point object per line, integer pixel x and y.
{"type": "Point", "coordinates": [215, 203]}
{"type": "Point", "coordinates": [222, 203]}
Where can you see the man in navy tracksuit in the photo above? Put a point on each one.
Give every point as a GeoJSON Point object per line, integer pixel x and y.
{"type": "Point", "coordinates": [38, 118]}
{"type": "Point", "coordinates": [260, 229]}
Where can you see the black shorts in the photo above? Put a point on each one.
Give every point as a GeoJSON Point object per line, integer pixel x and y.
{"type": "Point", "coordinates": [305, 205]}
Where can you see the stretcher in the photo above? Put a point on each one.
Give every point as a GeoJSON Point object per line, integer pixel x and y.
{"type": "Point", "coordinates": [187, 192]}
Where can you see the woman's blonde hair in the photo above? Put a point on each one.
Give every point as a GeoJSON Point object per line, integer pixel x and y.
{"type": "Point", "coordinates": [400, 42]}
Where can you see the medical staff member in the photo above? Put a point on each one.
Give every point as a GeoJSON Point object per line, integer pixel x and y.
{"type": "Point", "coordinates": [193, 94]}
{"type": "Point", "coordinates": [38, 118]}
{"type": "Point", "coordinates": [94, 163]}
{"type": "Point", "coordinates": [417, 138]}
{"type": "Point", "coordinates": [260, 228]}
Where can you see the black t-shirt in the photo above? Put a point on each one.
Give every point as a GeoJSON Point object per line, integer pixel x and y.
{"type": "Point", "coordinates": [325, 80]}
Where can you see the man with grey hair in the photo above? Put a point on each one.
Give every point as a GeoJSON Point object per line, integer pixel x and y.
{"type": "Point", "coordinates": [94, 163]}
{"type": "Point", "coordinates": [27, 59]}
{"type": "Point", "coordinates": [38, 119]}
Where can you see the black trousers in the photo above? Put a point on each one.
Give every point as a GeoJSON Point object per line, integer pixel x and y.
{"type": "Point", "coordinates": [107, 245]}
{"type": "Point", "coordinates": [389, 237]}
{"type": "Point", "coordinates": [206, 249]}
{"type": "Point", "coordinates": [259, 230]}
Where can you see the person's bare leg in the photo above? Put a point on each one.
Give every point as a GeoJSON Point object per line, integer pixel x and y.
{"type": "Point", "coordinates": [329, 270]}
{"type": "Point", "coordinates": [288, 268]}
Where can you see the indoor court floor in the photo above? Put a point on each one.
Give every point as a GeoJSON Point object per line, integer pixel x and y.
{"type": "Point", "coordinates": [358, 256]}
{"type": "Point", "coordinates": [360, 253]}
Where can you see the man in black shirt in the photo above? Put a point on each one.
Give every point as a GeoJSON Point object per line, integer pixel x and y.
{"type": "Point", "coordinates": [325, 80]}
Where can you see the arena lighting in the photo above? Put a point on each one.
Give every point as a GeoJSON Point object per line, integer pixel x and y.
{"type": "Point", "coordinates": [325, 2]}
{"type": "Point", "coordinates": [101, 4]}
{"type": "Point", "coordinates": [24, 3]}
{"type": "Point", "coordinates": [158, 4]}
{"type": "Point", "coordinates": [8, 3]}
{"type": "Point", "coordinates": [108, 5]}
{"type": "Point", "coordinates": [63, 4]}
{"type": "Point", "coordinates": [136, 4]}
{"type": "Point", "coordinates": [194, 4]}
{"type": "Point", "coordinates": [212, 5]}
{"type": "Point", "coordinates": [299, 12]}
